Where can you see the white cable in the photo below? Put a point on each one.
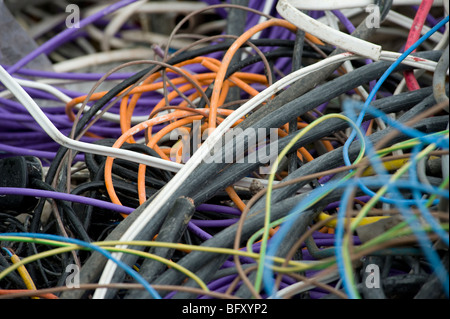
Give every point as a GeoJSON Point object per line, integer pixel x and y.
{"type": "Point", "coordinates": [103, 58]}
{"type": "Point", "coordinates": [411, 60]}
{"type": "Point", "coordinates": [329, 4]}
{"type": "Point", "coordinates": [406, 22]}
{"type": "Point", "coordinates": [301, 286]}
{"type": "Point", "coordinates": [112, 117]}
{"type": "Point", "coordinates": [22, 96]}
{"type": "Point", "coordinates": [325, 33]}
{"type": "Point", "coordinates": [245, 182]}
{"type": "Point", "coordinates": [143, 7]}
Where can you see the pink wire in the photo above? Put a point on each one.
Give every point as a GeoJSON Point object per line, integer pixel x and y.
{"type": "Point", "coordinates": [414, 34]}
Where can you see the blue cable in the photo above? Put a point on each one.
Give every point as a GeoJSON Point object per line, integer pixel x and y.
{"type": "Point", "coordinates": [276, 240]}
{"type": "Point", "coordinates": [7, 251]}
{"type": "Point", "coordinates": [403, 206]}
{"type": "Point", "coordinates": [98, 249]}
{"type": "Point", "coordinates": [349, 106]}
{"type": "Point", "coordinates": [383, 78]}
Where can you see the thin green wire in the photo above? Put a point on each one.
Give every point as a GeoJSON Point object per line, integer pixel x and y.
{"type": "Point", "coordinates": [408, 143]}
{"type": "Point", "coordinates": [366, 208]}
{"type": "Point", "coordinates": [274, 168]}
{"type": "Point", "coordinates": [383, 152]}
{"type": "Point", "coordinates": [443, 185]}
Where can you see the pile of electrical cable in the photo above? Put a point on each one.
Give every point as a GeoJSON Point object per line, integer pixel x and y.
{"type": "Point", "coordinates": [207, 150]}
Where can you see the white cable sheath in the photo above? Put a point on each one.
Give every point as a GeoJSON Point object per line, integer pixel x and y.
{"type": "Point", "coordinates": [329, 35]}
{"type": "Point", "coordinates": [43, 121]}
{"type": "Point", "coordinates": [329, 4]}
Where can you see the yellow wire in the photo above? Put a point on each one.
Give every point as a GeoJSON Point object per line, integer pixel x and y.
{"type": "Point", "coordinates": [66, 248]}
{"type": "Point", "coordinates": [23, 274]}
{"type": "Point", "coordinates": [364, 221]}
{"type": "Point", "coordinates": [295, 265]}
{"type": "Point", "coordinates": [389, 166]}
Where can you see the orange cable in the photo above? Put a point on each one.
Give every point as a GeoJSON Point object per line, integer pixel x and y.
{"type": "Point", "coordinates": [235, 198]}
{"type": "Point", "coordinates": [228, 57]}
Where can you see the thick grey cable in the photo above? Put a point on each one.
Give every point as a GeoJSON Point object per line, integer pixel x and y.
{"type": "Point", "coordinates": [171, 231]}
{"type": "Point", "coordinates": [299, 227]}
{"type": "Point", "coordinates": [439, 78]}
{"type": "Point", "coordinates": [334, 158]}
{"type": "Point", "coordinates": [196, 259]}
{"type": "Point", "coordinates": [236, 171]}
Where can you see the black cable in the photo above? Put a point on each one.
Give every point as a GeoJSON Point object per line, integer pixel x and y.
{"type": "Point", "coordinates": [296, 65]}
{"type": "Point", "coordinates": [225, 238]}
{"type": "Point", "coordinates": [171, 231]}
{"type": "Point", "coordinates": [73, 219]}
{"type": "Point", "coordinates": [236, 171]}
{"type": "Point", "coordinates": [299, 227]}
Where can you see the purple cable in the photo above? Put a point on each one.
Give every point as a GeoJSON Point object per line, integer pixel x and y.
{"type": "Point", "coordinates": [336, 204]}
{"type": "Point", "coordinates": [30, 152]}
{"type": "Point", "coordinates": [214, 222]}
{"type": "Point", "coordinates": [431, 21]}
{"type": "Point", "coordinates": [216, 284]}
{"type": "Point", "coordinates": [65, 197]}
{"type": "Point", "coordinates": [198, 231]}
{"type": "Point", "coordinates": [220, 11]}
{"type": "Point", "coordinates": [65, 35]}
{"type": "Point", "coordinates": [218, 209]}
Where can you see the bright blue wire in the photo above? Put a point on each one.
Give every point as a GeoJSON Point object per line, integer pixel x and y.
{"type": "Point", "coordinates": [276, 240]}
{"type": "Point", "coordinates": [383, 78]}
{"type": "Point", "coordinates": [284, 228]}
{"type": "Point", "coordinates": [8, 251]}
{"type": "Point", "coordinates": [349, 106]}
{"type": "Point", "coordinates": [425, 244]}
{"type": "Point", "coordinates": [98, 249]}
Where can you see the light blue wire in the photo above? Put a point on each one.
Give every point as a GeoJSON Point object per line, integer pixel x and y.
{"type": "Point", "coordinates": [417, 229]}
{"type": "Point", "coordinates": [316, 193]}
{"type": "Point", "coordinates": [349, 106]}
{"type": "Point", "coordinates": [403, 206]}
{"type": "Point", "coordinates": [98, 249]}
{"type": "Point", "coordinates": [7, 251]}
{"type": "Point", "coordinates": [383, 78]}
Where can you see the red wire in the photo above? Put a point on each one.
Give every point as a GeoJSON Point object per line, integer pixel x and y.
{"type": "Point", "coordinates": [414, 34]}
